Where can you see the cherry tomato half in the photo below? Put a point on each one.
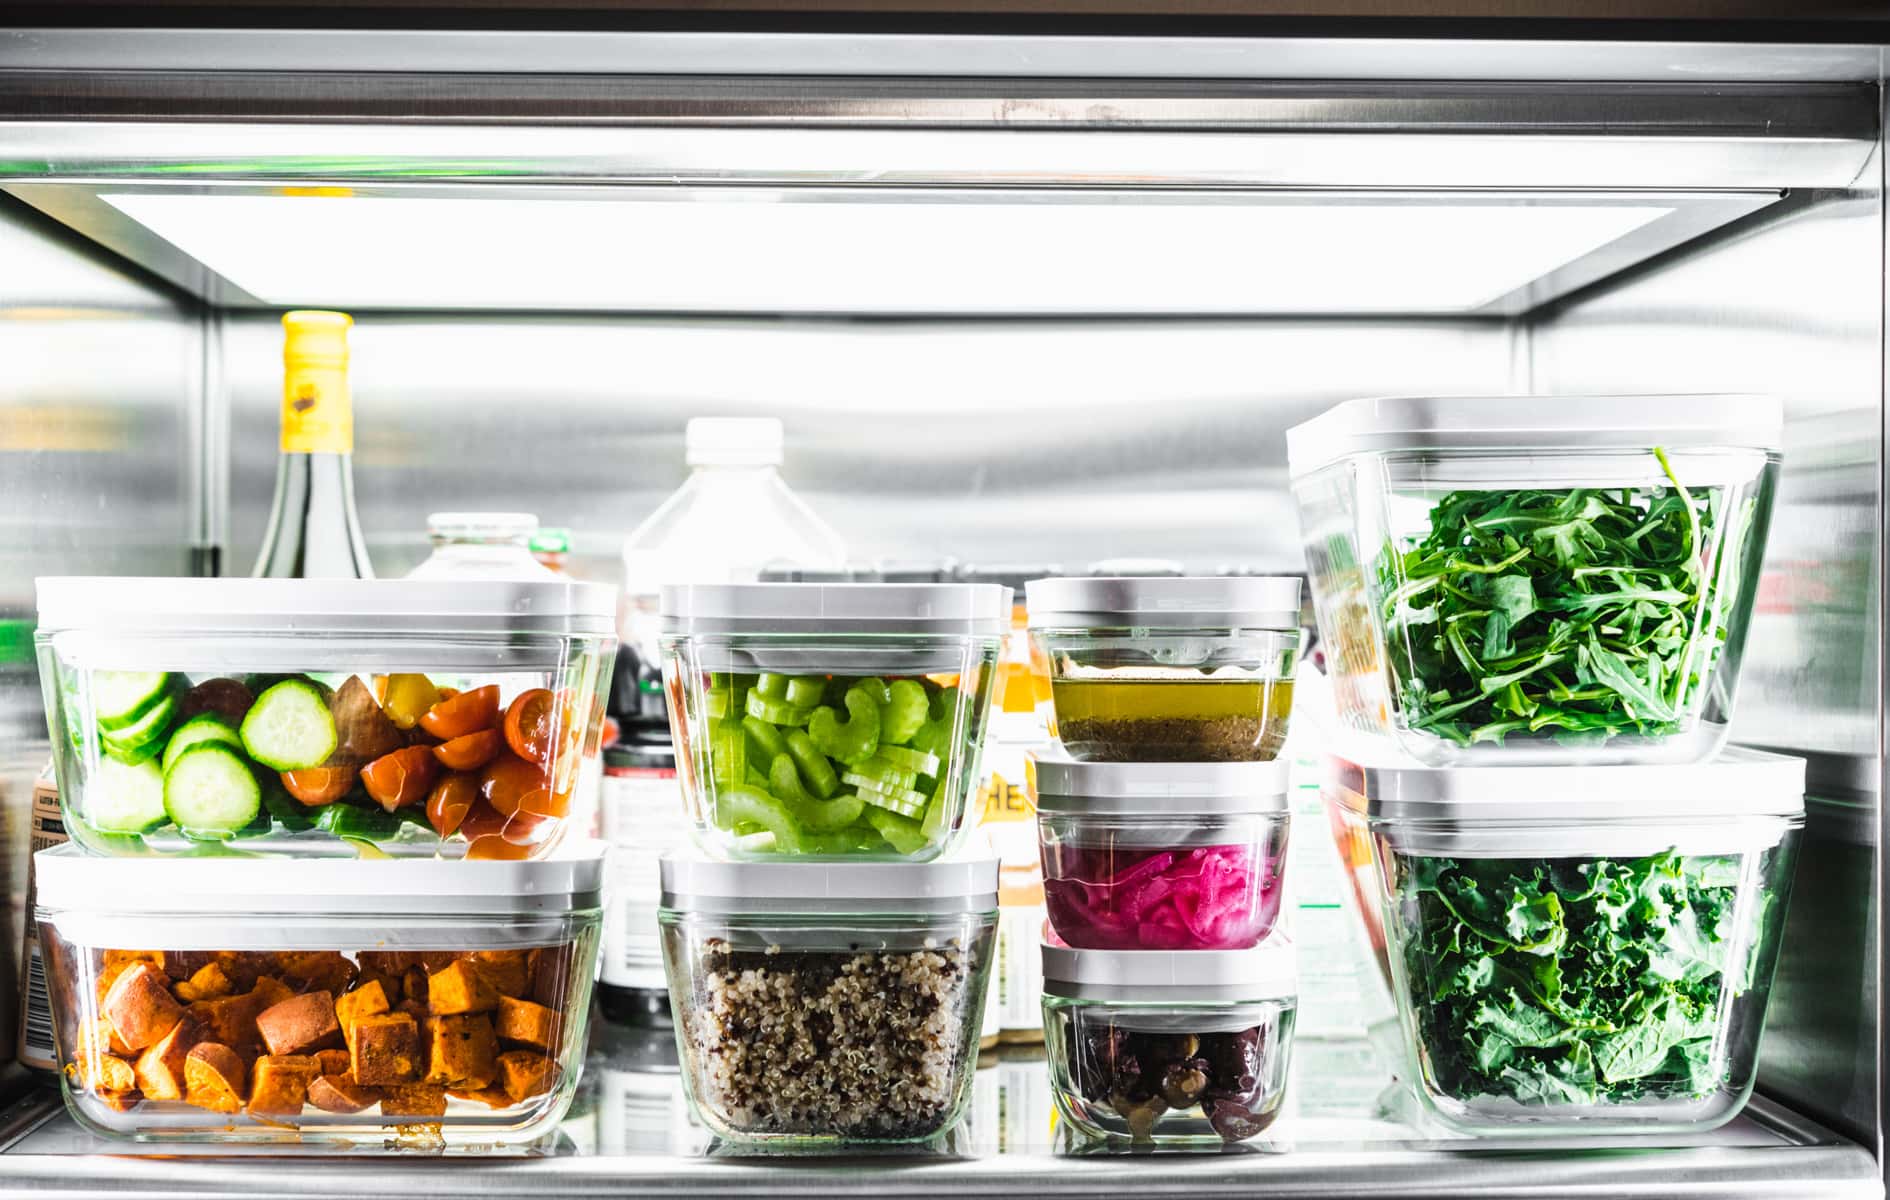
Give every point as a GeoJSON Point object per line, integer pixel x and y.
{"type": "Point", "coordinates": [316, 786]}
{"type": "Point", "coordinates": [464, 713]}
{"type": "Point", "coordinates": [525, 829]}
{"type": "Point", "coordinates": [496, 848]}
{"type": "Point", "coordinates": [482, 820]}
{"type": "Point", "coordinates": [529, 723]}
{"type": "Point", "coordinates": [451, 799]}
{"type": "Point", "coordinates": [402, 778]}
{"type": "Point", "coordinates": [509, 784]}
{"type": "Point", "coordinates": [470, 751]}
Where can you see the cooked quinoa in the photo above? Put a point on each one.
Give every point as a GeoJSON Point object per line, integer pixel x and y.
{"type": "Point", "coordinates": [857, 1044]}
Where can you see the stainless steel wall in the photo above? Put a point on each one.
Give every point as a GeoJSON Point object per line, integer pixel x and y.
{"type": "Point", "coordinates": [99, 375]}
{"type": "Point", "coordinates": [1020, 442]}
{"type": "Point", "coordinates": [1793, 307]}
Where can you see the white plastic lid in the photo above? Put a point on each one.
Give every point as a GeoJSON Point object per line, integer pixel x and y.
{"type": "Point", "coordinates": [116, 605]}
{"type": "Point", "coordinates": [262, 889]}
{"type": "Point", "coordinates": [1535, 423]}
{"type": "Point", "coordinates": [1065, 785]}
{"type": "Point", "coordinates": [1183, 602]}
{"type": "Point", "coordinates": [918, 608]}
{"type": "Point", "coordinates": [481, 526]}
{"type": "Point", "coordinates": [1269, 971]}
{"type": "Point", "coordinates": [693, 884]}
{"type": "Point", "coordinates": [733, 442]}
{"type": "Point", "coordinates": [1740, 799]}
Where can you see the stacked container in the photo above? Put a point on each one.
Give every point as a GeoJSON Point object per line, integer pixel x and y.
{"type": "Point", "coordinates": [827, 957]}
{"type": "Point", "coordinates": [1535, 610]}
{"type": "Point", "coordinates": [1170, 990]}
{"type": "Point", "coordinates": [318, 889]}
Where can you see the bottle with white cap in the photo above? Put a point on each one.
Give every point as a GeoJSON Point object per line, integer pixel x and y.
{"type": "Point", "coordinates": [734, 518]}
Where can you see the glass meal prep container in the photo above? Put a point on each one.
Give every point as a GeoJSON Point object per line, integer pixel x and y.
{"type": "Point", "coordinates": [1581, 949]}
{"type": "Point", "coordinates": [319, 1001]}
{"type": "Point", "coordinates": [1161, 856]}
{"type": "Point", "coordinates": [325, 717]}
{"type": "Point", "coordinates": [1170, 1047]}
{"type": "Point", "coordinates": [830, 721]}
{"type": "Point", "coordinates": [1190, 669]}
{"type": "Point", "coordinates": [823, 1005]}
{"type": "Point", "coordinates": [1537, 579]}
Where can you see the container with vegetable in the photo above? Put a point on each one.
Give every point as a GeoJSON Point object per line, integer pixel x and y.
{"type": "Point", "coordinates": [830, 721]}
{"type": "Point", "coordinates": [828, 1004]}
{"type": "Point", "coordinates": [1162, 856]}
{"type": "Point", "coordinates": [1537, 579]}
{"type": "Point", "coordinates": [1581, 949]}
{"type": "Point", "coordinates": [304, 716]}
{"type": "Point", "coordinates": [1161, 1048]}
{"type": "Point", "coordinates": [311, 1001]}
{"type": "Point", "coordinates": [1169, 669]}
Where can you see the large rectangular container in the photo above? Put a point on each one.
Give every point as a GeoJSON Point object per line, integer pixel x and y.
{"type": "Point", "coordinates": [1580, 950]}
{"type": "Point", "coordinates": [319, 1002]}
{"type": "Point", "coordinates": [1541, 578]}
{"type": "Point", "coordinates": [325, 717]}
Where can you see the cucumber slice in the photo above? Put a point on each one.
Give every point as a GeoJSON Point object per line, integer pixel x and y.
{"type": "Point", "coordinates": [289, 727]}
{"type": "Point", "coordinates": [125, 797]}
{"type": "Point", "coordinates": [121, 697]}
{"type": "Point", "coordinates": [916, 761]}
{"type": "Point", "coordinates": [775, 712]}
{"type": "Point", "coordinates": [146, 732]}
{"type": "Point", "coordinates": [210, 792]}
{"type": "Point", "coordinates": [204, 727]}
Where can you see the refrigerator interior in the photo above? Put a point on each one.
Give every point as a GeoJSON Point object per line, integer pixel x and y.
{"type": "Point", "coordinates": [1050, 321]}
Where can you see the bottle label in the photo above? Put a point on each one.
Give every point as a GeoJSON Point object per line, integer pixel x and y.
{"type": "Point", "coordinates": [317, 412]}
{"type": "Point", "coordinates": [35, 1045]}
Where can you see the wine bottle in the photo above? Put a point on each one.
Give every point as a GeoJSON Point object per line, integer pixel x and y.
{"type": "Point", "coordinates": [313, 530]}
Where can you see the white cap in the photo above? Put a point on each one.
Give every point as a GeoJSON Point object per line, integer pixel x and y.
{"type": "Point", "coordinates": [733, 442]}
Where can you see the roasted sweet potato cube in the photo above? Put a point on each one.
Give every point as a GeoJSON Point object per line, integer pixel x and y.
{"type": "Point", "coordinates": [300, 1025]}
{"type": "Point", "coordinates": [160, 1068]}
{"type": "Point", "coordinates": [491, 1097]}
{"type": "Point", "coordinates": [335, 1062]}
{"type": "Point", "coordinates": [214, 1078]}
{"type": "Point", "coordinates": [370, 999]}
{"type": "Point", "coordinates": [414, 1100]}
{"type": "Point", "coordinates": [551, 975]}
{"type": "Point", "coordinates": [460, 988]}
{"type": "Point", "coordinates": [119, 1101]}
{"type": "Point", "coordinates": [341, 1094]}
{"type": "Point", "coordinates": [208, 982]}
{"type": "Point", "coordinates": [462, 1051]}
{"type": "Point", "coordinates": [114, 963]}
{"type": "Point", "coordinates": [508, 971]}
{"type": "Point", "coordinates": [232, 1020]}
{"type": "Point", "coordinates": [279, 1083]}
{"type": "Point", "coordinates": [105, 1073]}
{"type": "Point", "coordinates": [101, 1038]}
{"type": "Point", "coordinates": [387, 962]}
{"type": "Point", "coordinates": [528, 1024]}
{"type": "Point", "coordinates": [140, 1005]}
{"type": "Point", "coordinates": [386, 1050]}
{"type": "Point", "coordinates": [315, 970]}
{"type": "Point", "coordinates": [413, 985]}
{"type": "Point", "coordinates": [526, 1073]}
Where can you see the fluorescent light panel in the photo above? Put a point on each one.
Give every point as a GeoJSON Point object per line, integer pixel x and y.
{"type": "Point", "coordinates": [775, 252]}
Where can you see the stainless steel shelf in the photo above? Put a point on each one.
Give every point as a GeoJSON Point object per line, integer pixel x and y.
{"type": "Point", "coordinates": [629, 1135]}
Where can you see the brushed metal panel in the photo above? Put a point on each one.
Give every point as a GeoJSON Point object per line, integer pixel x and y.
{"type": "Point", "coordinates": [994, 442]}
{"type": "Point", "coordinates": [926, 54]}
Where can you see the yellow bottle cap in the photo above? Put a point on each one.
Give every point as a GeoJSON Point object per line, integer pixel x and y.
{"type": "Point", "coordinates": [315, 335]}
{"type": "Point", "coordinates": [317, 411]}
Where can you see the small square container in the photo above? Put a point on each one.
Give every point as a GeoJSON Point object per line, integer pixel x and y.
{"type": "Point", "coordinates": [1161, 856]}
{"type": "Point", "coordinates": [1537, 578]}
{"type": "Point", "coordinates": [830, 721]}
{"type": "Point", "coordinates": [1581, 949]}
{"type": "Point", "coordinates": [1186, 669]}
{"type": "Point", "coordinates": [319, 1002]}
{"type": "Point", "coordinates": [827, 1005]}
{"type": "Point", "coordinates": [323, 716]}
{"type": "Point", "coordinates": [1170, 1048]}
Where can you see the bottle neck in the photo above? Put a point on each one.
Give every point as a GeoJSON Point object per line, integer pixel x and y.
{"type": "Point", "coordinates": [317, 407]}
{"type": "Point", "coordinates": [313, 530]}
